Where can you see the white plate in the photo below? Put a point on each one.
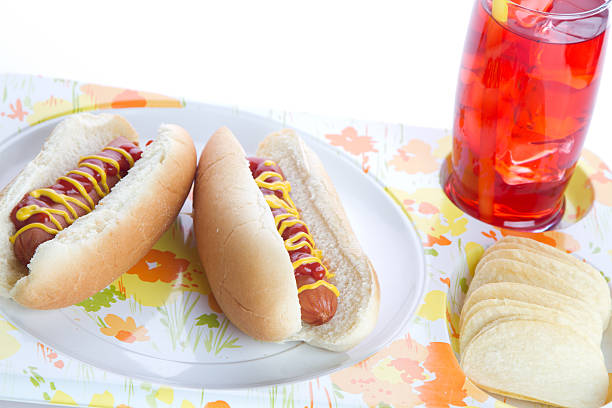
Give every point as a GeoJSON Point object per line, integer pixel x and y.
{"type": "Point", "coordinates": [384, 231]}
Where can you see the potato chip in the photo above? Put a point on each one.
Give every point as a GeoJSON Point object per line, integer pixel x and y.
{"type": "Point", "coordinates": [548, 251]}
{"type": "Point", "coordinates": [577, 278]}
{"type": "Point", "coordinates": [505, 270]}
{"type": "Point", "coordinates": [537, 361]}
{"type": "Point", "coordinates": [575, 308]}
{"type": "Point", "coordinates": [532, 323]}
{"type": "Point", "coordinates": [552, 252]}
{"type": "Point", "coordinates": [489, 310]}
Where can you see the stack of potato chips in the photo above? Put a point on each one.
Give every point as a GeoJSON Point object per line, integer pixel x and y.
{"type": "Point", "coordinates": [532, 323]}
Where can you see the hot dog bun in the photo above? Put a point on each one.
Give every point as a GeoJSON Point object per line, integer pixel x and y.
{"type": "Point", "coordinates": [98, 247]}
{"type": "Point", "coordinates": [244, 257]}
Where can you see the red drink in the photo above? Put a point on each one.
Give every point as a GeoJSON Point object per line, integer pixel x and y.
{"type": "Point", "coordinates": [526, 91]}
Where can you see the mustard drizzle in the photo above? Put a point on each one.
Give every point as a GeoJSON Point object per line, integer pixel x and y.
{"type": "Point", "coordinates": [292, 243]}
{"type": "Point", "coordinates": [318, 283]}
{"type": "Point", "coordinates": [104, 159]}
{"type": "Point", "coordinates": [100, 171]}
{"type": "Point", "coordinates": [27, 211]}
{"type": "Point", "coordinates": [283, 219]}
{"type": "Point", "coordinates": [60, 199]}
{"type": "Point", "coordinates": [290, 223]}
{"type": "Point", "coordinates": [91, 179]}
{"type": "Point", "coordinates": [30, 226]}
{"type": "Point", "coordinates": [306, 260]}
{"type": "Point", "coordinates": [80, 189]}
{"type": "Point", "coordinates": [275, 202]}
{"type": "Point", "coordinates": [122, 152]}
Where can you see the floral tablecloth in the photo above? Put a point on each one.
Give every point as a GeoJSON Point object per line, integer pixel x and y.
{"type": "Point", "coordinates": [419, 368]}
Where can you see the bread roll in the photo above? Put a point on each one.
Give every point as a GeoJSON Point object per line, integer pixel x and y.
{"type": "Point", "coordinates": [244, 257]}
{"type": "Point", "coordinates": [98, 247]}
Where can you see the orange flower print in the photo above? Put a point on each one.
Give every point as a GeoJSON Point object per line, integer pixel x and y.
{"type": "Point", "coordinates": [159, 266]}
{"type": "Point", "coordinates": [386, 377]}
{"type": "Point", "coordinates": [558, 239]}
{"type": "Point", "coordinates": [128, 99]}
{"type": "Point", "coordinates": [448, 387]}
{"type": "Point", "coordinates": [428, 208]}
{"type": "Point", "coordinates": [49, 355]}
{"type": "Point", "coordinates": [124, 330]}
{"type": "Point", "coordinates": [18, 112]}
{"type": "Point", "coordinates": [415, 157]}
{"type": "Point", "coordinates": [350, 141]}
{"type": "Point", "coordinates": [217, 404]}
{"type": "Point", "coordinates": [104, 97]}
{"type": "Point", "coordinates": [432, 240]}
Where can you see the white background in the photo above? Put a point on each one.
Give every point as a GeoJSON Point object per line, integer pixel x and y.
{"type": "Point", "coordinates": [386, 60]}
{"type": "Point", "coordinates": [393, 61]}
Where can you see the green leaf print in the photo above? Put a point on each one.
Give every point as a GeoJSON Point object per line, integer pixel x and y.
{"type": "Point", "coordinates": [463, 284]}
{"type": "Point", "coordinates": [35, 378]}
{"type": "Point", "coordinates": [104, 298]}
{"type": "Point", "coordinates": [431, 251]}
{"type": "Point", "coordinates": [221, 339]}
{"type": "Point", "coordinates": [209, 320]}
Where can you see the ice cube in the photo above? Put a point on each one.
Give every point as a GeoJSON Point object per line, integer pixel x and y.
{"type": "Point", "coordinates": [522, 154]}
{"type": "Point", "coordinates": [524, 15]}
{"type": "Point", "coordinates": [534, 162]}
{"type": "Point", "coordinates": [571, 31]}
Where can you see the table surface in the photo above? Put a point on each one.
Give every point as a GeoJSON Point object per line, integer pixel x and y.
{"type": "Point", "coordinates": [385, 60]}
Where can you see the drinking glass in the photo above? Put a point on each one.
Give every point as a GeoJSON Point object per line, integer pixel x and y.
{"type": "Point", "coordinates": [527, 85]}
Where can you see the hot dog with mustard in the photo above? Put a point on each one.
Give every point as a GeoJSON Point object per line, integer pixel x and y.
{"type": "Point", "coordinates": [88, 207]}
{"type": "Point", "coordinates": [317, 296]}
{"type": "Point", "coordinates": [44, 212]}
{"type": "Point", "coordinates": [280, 255]}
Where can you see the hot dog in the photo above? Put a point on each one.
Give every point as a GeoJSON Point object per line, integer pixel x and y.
{"type": "Point", "coordinates": [44, 212]}
{"type": "Point", "coordinates": [88, 207]}
{"type": "Point", "coordinates": [279, 254]}
{"type": "Point", "coordinates": [317, 296]}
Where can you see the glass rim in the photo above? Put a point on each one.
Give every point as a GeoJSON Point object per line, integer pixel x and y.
{"type": "Point", "coordinates": [580, 14]}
